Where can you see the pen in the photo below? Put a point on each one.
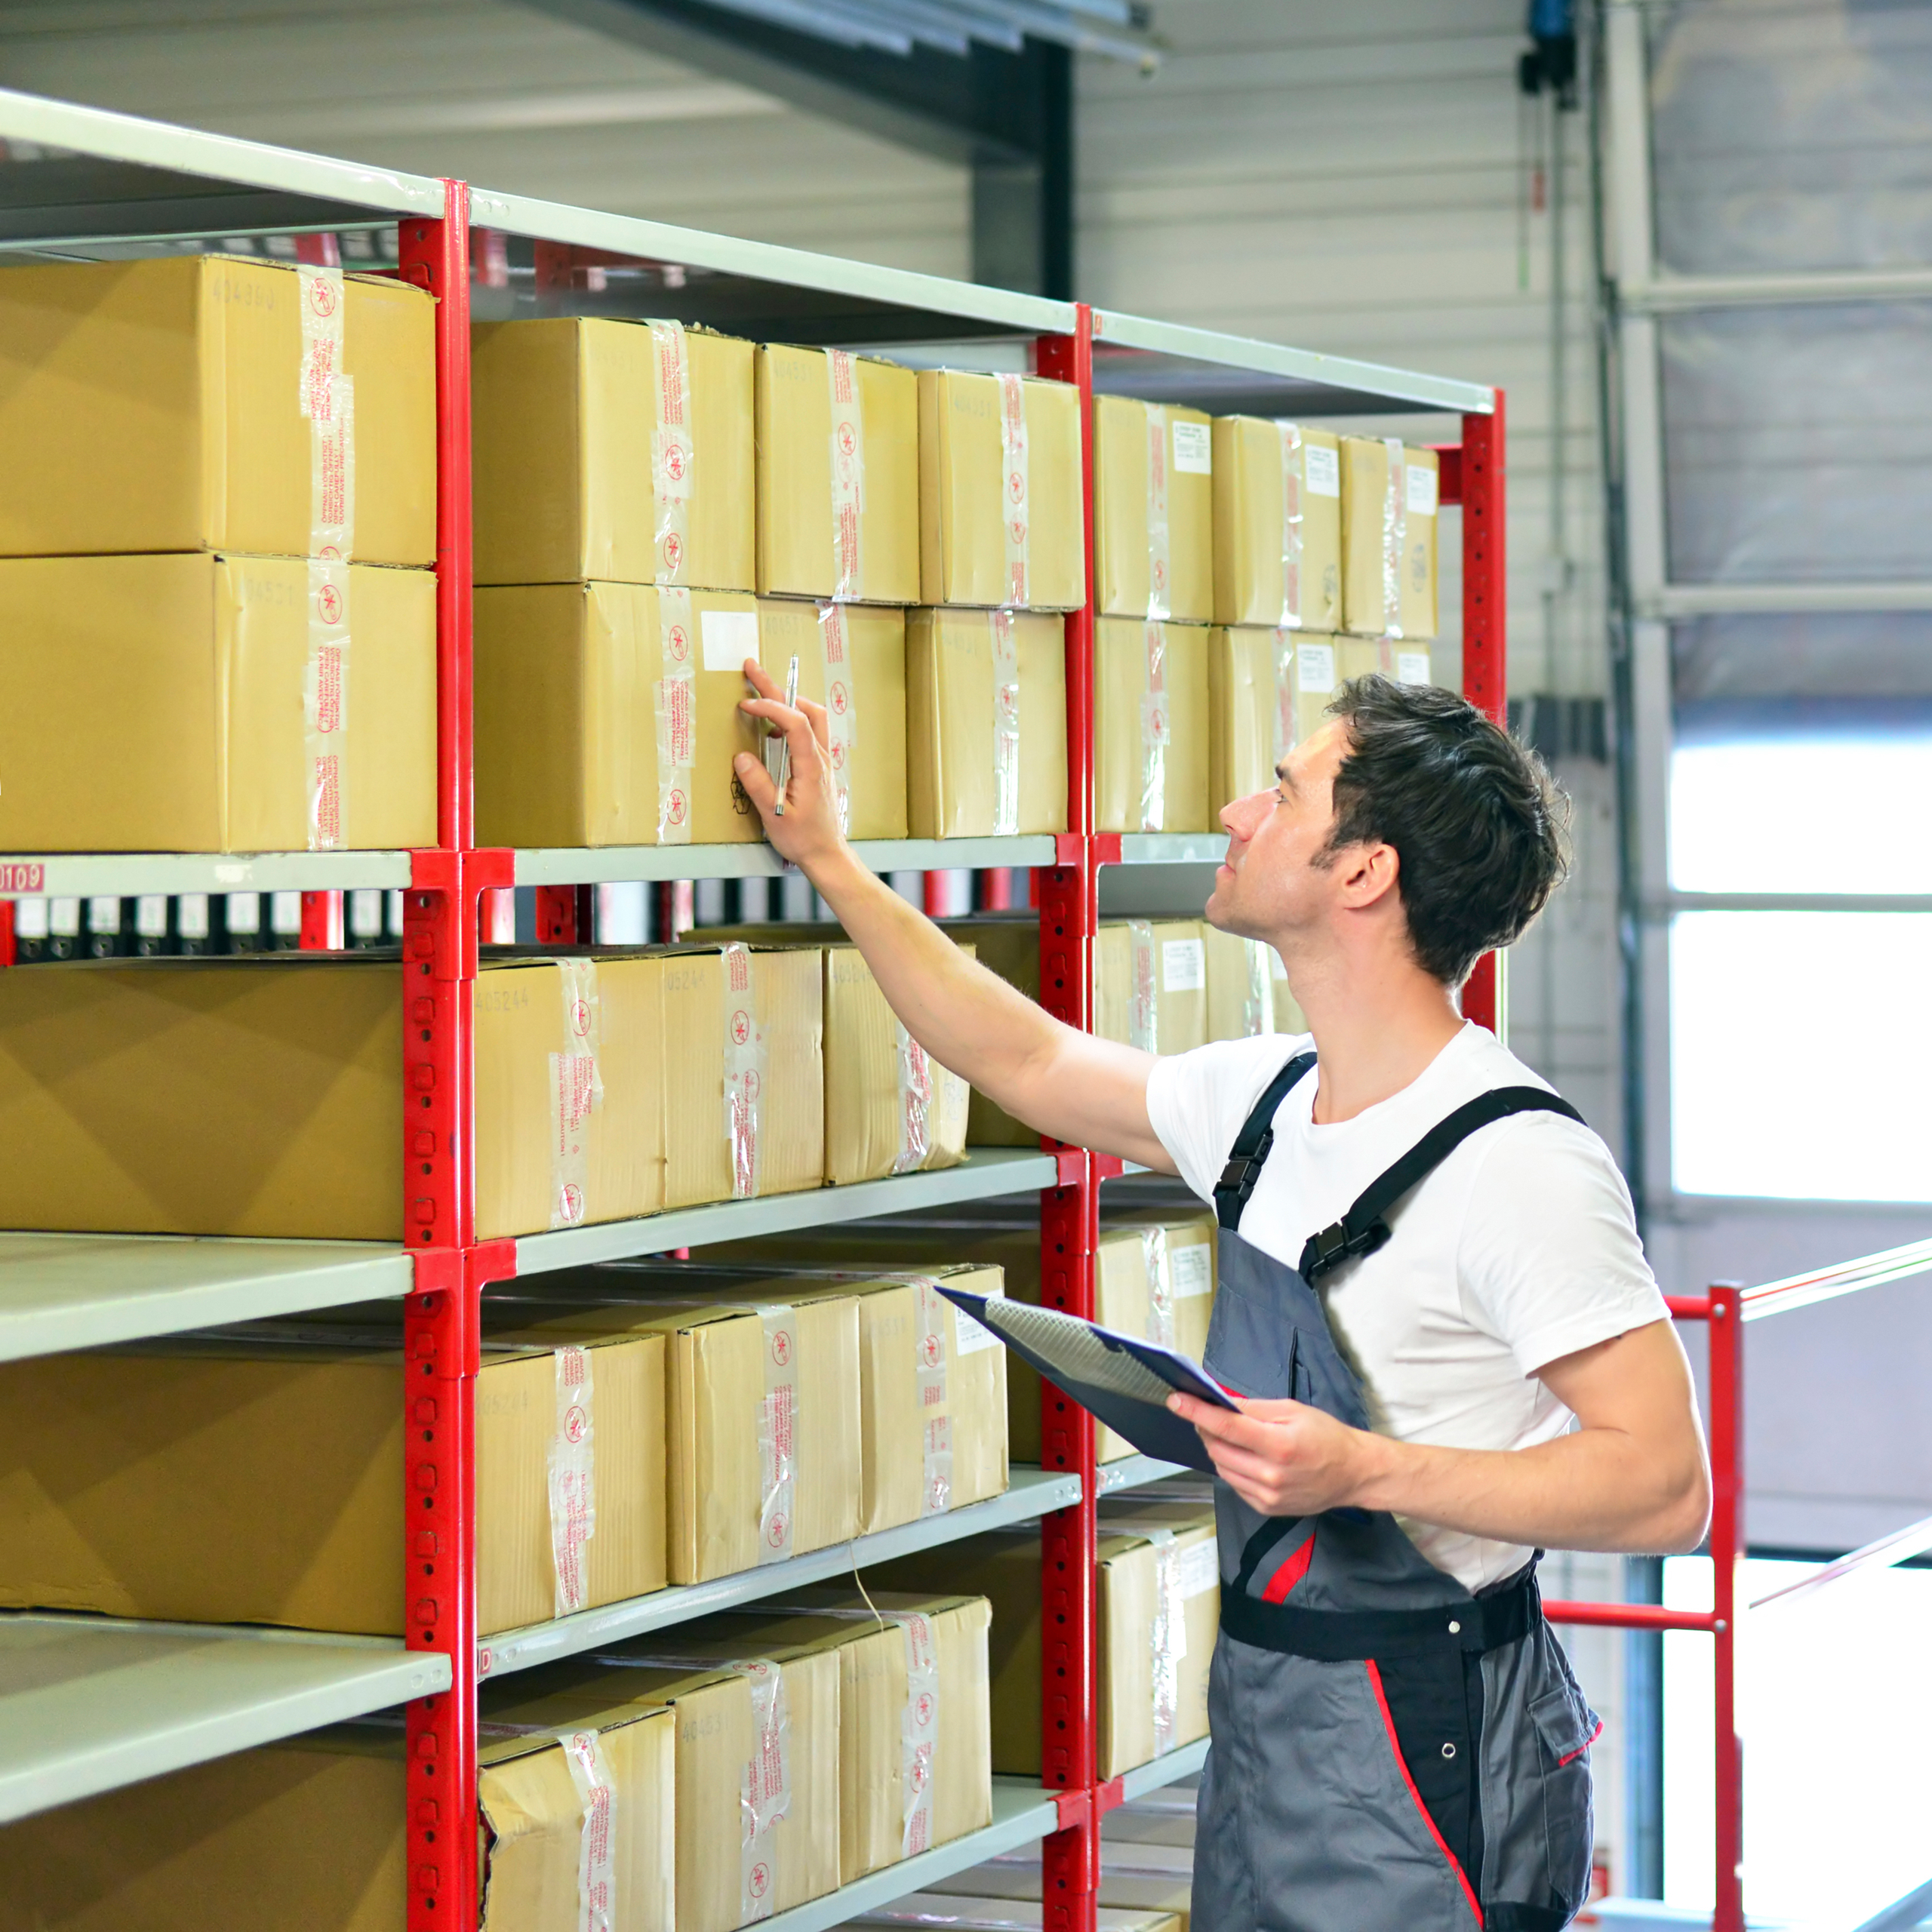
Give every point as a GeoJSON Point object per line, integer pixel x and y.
{"type": "Point", "coordinates": [784, 771]}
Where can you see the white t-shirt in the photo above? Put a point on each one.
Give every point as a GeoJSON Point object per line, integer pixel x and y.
{"type": "Point", "coordinates": [1520, 1248]}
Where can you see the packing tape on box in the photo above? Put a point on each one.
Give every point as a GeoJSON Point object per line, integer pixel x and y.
{"type": "Point", "coordinates": [1016, 484]}
{"type": "Point", "coordinates": [573, 1479]}
{"type": "Point", "coordinates": [1143, 1004]}
{"type": "Point", "coordinates": [1160, 558]}
{"type": "Point", "coordinates": [915, 1103]}
{"type": "Point", "coordinates": [1395, 535]}
{"type": "Point", "coordinates": [1169, 1643]}
{"type": "Point", "coordinates": [326, 398]}
{"type": "Point", "coordinates": [1160, 1286]}
{"type": "Point", "coordinates": [325, 705]}
{"type": "Point", "coordinates": [1257, 997]}
{"type": "Point", "coordinates": [918, 1732]}
{"type": "Point", "coordinates": [1006, 724]}
{"type": "Point", "coordinates": [764, 1790]}
{"type": "Point", "coordinates": [673, 453]}
{"type": "Point", "coordinates": [848, 473]}
{"type": "Point", "coordinates": [1293, 468]}
{"type": "Point", "coordinates": [1284, 735]}
{"type": "Point", "coordinates": [935, 1411]}
{"type": "Point", "coordinates": [778, 1432]}
{"type": "Point", "coordinates": [596, 1854]}
{"type": "Point", "coordinates": [1155, 729]}
{"type": "Point", "coordinates": [577, 1092]}
{"type": "Point", "coordinates": [841, 712]}
{"type": "Point", "coordinates": [676, 713]}
{"type": "Point", "coordinates": [744, 1071]}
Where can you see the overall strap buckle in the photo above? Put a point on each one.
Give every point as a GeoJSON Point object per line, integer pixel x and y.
{"type": "Point", "coordinates": [1248, 1155]}
{"type": "Point", "coordinates": [1338, 1243]}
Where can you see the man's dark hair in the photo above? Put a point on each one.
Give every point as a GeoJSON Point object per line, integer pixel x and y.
{"type": "Point", "coordinates": [1479, 824]}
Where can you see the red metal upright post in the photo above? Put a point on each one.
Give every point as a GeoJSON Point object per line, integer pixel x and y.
{"type": "Point", "coordinates": [1069, 901]}
{"type": "Point", "coordinates": [1727, 1398]}
{"type": "Point", "coordinates": [1485, 611]}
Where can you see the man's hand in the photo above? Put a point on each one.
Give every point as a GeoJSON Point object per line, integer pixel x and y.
{"type": "Point", "coordinates": [807, 832]}
{"type": "Point", "coordinates": [1283, 1459]}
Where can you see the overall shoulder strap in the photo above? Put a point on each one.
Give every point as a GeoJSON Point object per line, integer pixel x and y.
{"type": "Point", "coordinates": [1252, 1144]}
{"type": "Point", "coordinates": [1362, 1229]}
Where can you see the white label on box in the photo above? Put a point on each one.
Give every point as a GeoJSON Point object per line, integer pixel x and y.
{"type": "Point", "coordinates": [1193, 1269]}
{"type": "Point", "coordinates": [1323, 469]}
{"type": "Point", "coordinates": [1422, 489]}
{"type": "Point", "coordinates": [1193, 449]}
{"type": "Point", "coordinates": [1314, 669]}
{"type": "Point", "coordinates": [1200, 1568]}
{"type": "Point", "coordinates": [730, 638]}
{"type": "Point", "coordinates": [1183, 965]}
{"type": "Point", "coordinates": [1412, 667]}
{"type": "Point", "coordinates": [972, 1336]}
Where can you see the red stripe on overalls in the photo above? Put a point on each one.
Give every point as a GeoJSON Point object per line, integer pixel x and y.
{"type": "Point", "coordinates": [1402, 1765]}
{"type": "Point", "coordinates": [1290, 1573]}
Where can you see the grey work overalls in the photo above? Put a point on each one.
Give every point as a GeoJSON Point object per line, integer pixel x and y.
{"type": "Point", "coordinates": [1391, 1754]}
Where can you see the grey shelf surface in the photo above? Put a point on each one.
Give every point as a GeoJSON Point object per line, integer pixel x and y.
{"type": "Point", "coordinates": [1032, 1493]}
{"type": "Point", "coordinates": [1173, 848]}
{"type": "Point", "coordinates": [985, 1172]}
{"type": "Point", "coordinates": [1022, 1814]}
{"type": "Point", "coordinates": [1164, 1771]}
{"type": "Point", "coordinates": [1135, 1472]}
{"type": "Point", "coordinates": [88, 1704]}
{"type": "Point", "coordinates": [129, 874]}
{"type": "Point", "coordinates": [61, 1291]}
{"type": "Point", "coordinates": [599, 865]}
{"type": "Point", "coordinates": [78, 177]}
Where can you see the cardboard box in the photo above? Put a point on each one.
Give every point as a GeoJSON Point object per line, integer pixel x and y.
{"type": "Point", "coordinates": [744, 1072]}
{"type": "Point", "coordinates": [1404, 661]}
{"type": "Point", "coordinates": [1002, 519]}
{"type": "Point", "coordinates": [1151, 726]}
{"type": "Point", "coordinates": [1278, 525]}
{"type": "Point", "coordinates": [915, 1758]}
{"type": "Point", "coordinates": [847, 529]}
{"type": "Point", "coordinates": [1153, 510]}
{"type": "Point", "coordinates": [986, 723]}
{"type": "Point", "coordinates": [257, 1477]}
{"type": "Point", "coordinates": [1248, 989]}
{"type": "Point", "coordinates": [156, 703]}
{"type": "Point", "coordinates": [852, 660]}
{"type": "Point", "coordinates": [612, 449]}
{"type": "Point", "coordinates": [1251, 720]}
{"type": "Point", "coordinates": [1150, 981]}
{"type": "Point", "coordinates": [1008, 944]}
{"type": "Point", "coordinates": [607, 714]}
{"type": "Point", "coordinates": [570, 1081]}
{"type": "Point", "coordinates": [1389, 500]}
{"type": "Point", "coordinates": [177, 404]}
{"type": "Point", "coordinates": [761, 1732]}
{"type": "Point", "coordinates": [971, 1914]}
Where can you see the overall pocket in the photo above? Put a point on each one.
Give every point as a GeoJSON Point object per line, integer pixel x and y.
{"type": "Point", "coordinates": [1566, 1727]}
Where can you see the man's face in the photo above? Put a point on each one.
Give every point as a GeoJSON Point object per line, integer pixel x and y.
{"type": "Point", "coordinates": [1269, 886]}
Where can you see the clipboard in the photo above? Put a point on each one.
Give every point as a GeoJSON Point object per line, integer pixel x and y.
{"type": "Point", "coordinates": [1124, 1382]}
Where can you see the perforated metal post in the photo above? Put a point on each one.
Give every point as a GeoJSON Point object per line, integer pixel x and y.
{"type": "Point", "coordinates": [1485, 611]}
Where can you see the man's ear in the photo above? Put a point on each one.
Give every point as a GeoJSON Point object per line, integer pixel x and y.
{"type": "Point", "coordinates": [1369, 872]}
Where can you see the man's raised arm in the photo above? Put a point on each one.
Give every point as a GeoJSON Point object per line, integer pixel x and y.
{"type": "Point", "coordinates": [1088, 1092]}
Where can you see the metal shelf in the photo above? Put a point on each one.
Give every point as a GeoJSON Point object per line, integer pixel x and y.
{"type": "Point", "coordinates": [1033, 1494]}
{"type": "Point", "coordinates": [1165, 1770]}
{"type": "Point", "coordinates": [1173, 848]}
{"type": "Point", "coordinates": [985, 1171]}
{"type": "Point", "coordinates": [604, 864]}
{"type": "Point", "coordinates": [129, 874]}
{"type": "Point", "coordinates": [62, 1291]}
{"type": "Point", "coordinates": [1135, 1472]}
{"type": "Point", "coordinates": [88, 1704]}
{"type": "Point", "coordinates": [1023, 1813]}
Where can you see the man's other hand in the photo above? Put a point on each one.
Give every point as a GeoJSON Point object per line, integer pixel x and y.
{"type": "Point", "coordinates": [807, 832]}
{"type": "Point", "coordinates": [1283, 1459]}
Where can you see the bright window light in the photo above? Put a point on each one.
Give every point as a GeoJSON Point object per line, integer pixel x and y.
{"type": "Point", "coordinates": [1834, 1703]}
{"type": "Point", "coordinates": [1800, 1055]}
{"type": "Point", "coordinates": [1796, 815]}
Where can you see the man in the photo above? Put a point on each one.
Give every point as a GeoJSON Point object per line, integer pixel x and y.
{"type": "Point", "coordinates": [1433, 1303]}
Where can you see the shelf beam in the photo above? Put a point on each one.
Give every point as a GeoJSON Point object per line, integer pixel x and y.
{"type": "Point", "coordinates": [612, 864]}
{"type": "Point", "coordinates": [131, 875]}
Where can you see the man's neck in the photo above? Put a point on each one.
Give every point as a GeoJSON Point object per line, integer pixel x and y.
{"type": "Point", "coordinates": [1376, 1032]}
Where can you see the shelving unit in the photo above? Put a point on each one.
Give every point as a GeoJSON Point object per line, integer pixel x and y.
{"type": "Point", "coordinates": [118, 187]}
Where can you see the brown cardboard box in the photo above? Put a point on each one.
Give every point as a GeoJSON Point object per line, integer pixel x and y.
{"type": "Point", "coordinates": [607, 714]}
{"type": "Point", "coordinates": [1248, 673]}
{"type": "Point", "coordinates": [570, 1079]}
{"type": "Point", "coordinates": [1153, 510]}
{"type": "Point", "coordinates": [1406, 662]}
{"type": "Point", "coordinates": [1151, 720]}
{"type": "Point", "coordinates": [162, 405]}
{"type": "Point", "coordinates": [1002, 504]}
{"type": "Point", "coordinates": [850, 529]}
{"type": "Point", "coordinates": [1008, 944]}
{"type": "Point", "coordinates": [155, 704]}
{"type": "Point", "coordinates": [765, 1726]}
{"type": "Point", "coordinates": [857, 653]}
{"type": "Point", "coordinates": [978, 764]}
{"type": "Point", "coordinates": [1150, 981]}
{"type": "Point", "coordinates": [257, 1477]}
{"type": "Point", "coordinates": [1278, 525]}
{"type": "Point", "coordinates": [1248, 990]}
{"type": "Point", "coordinates": [1318, 677]}
{"type": "Point", "coordinates": [912, 1678]}
{"type": "Point", "coordinates": [744, 1072]}
{"type": "Point", "coordinates": [972, 1914]}
{"type": "Point", "coordinates": [1389, 519]}
{"type": "Point", "coordinates": [614, 450]}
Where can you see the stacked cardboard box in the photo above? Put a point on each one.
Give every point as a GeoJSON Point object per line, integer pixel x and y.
{"type": "Point", "coordinates": [1248, 989]}
{"type": "Point", "coordinates": [1151, 984]}
{"type": "Point", "coordinates": [220, 472]}
{"type": "Point", "coordinates": [1151, 726]}
{"type": "Point", "coordinates": [1278, 525]}
{"type": "Point", "coordinates": [1389, 500]}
